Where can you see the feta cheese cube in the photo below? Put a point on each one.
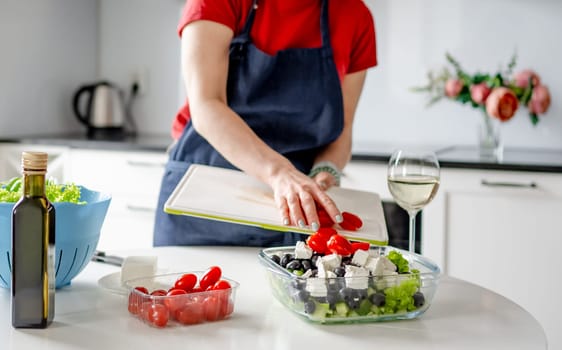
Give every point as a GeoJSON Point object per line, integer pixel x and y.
{"type": "Point", "coordinates": [317, 287]}
{"type": "Point", "coordinates": [331, 261]}
{"type": "Point", "coordinates": [302, 251]}
{"type": "Point", "coordinates": [356, 277]}
{"type": "Point", "coordinates": [360, 257]}
{"type": "Point", "coordinates": [380, 266]}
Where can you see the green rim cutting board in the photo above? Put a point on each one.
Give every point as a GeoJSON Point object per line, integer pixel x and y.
{"type": "Point", "coordinates": [233, 196]}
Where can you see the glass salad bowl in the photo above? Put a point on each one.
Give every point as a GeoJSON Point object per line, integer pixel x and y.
{"type": "Point", "coordinates": [382, 283]}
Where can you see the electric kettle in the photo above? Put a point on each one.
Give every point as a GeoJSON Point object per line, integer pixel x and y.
{"type": "Point", "coordinates": [100, 107]}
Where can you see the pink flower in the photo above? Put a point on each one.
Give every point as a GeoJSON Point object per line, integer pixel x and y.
{"type": "Point", "coordinates": [521, 79]}
{"type": "Point", "coordinates": [502, 104]}
{"type": "Point", "coordinates": [540, 100]}
{"type": "Point", "coordinates": [453, 87]}
{"type": "Point", "coordinates": [479, 93]}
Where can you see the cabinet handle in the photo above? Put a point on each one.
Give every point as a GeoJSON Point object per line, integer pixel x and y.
{"type": "Point", "coordinates": [531, 184]}
{"type": "Point", "coordinates": [132, 207]}
{"type": "Point", "coordinates": [145, 164]}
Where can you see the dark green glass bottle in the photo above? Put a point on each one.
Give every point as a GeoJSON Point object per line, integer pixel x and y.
{"type": "Point", "coordinates": [33, 248]}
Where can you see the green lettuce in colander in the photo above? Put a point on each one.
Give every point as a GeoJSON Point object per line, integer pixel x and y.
{"type": "Point", "coordinates": [11, 191]}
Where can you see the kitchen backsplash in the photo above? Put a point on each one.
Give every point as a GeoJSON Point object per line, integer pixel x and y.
{"type": "Point", "coordinates": [51, 48]}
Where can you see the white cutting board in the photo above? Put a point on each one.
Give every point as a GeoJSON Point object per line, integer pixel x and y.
{"type": "Point", "coordinates": [233, 196]}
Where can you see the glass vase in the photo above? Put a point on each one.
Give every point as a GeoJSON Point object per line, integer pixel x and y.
{"type": "Point", "coordinates": [490, 146]}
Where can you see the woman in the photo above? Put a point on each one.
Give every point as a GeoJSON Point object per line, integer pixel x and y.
{"type": "Point", "coordinates": [272, 87]}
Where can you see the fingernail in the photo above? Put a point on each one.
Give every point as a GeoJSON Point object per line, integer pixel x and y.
{"type": "Point", "coordinates": [285, 221]}
{"type": "Point", "coordinates": [301, 223]}
{"type": "Point", "coordinates": [314, 226]}
{"type": "Point", "coordinates": [339, 218]}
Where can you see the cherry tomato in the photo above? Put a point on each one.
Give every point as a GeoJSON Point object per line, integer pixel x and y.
{"type": "Point", "coordinates": [221, 284]}
{"type": "Point", "coordinates": [197, 290]}
{"type": "Point", "coordinates": [355, 246]}
{"type": "Point", "coordinates": [211, 307]}
{"type": "Point", "coordinates": [159, 292]}
{"type": "Point", "coordinates": [225, 306]}
{"type": "Point", "coordinates": [211, 276]}
{"type": "Point", "coordinates": [136, 298]}
{"type": "Point", "coordinates": [142, 289]}
{"type": "Point", "coordinates": [158, 315]}
{"type": "Point", "coordinates": [339, 245]}
{"type": "Point", "coordinates": [173, 300]}
{"type": "Point", "coordinates": [351, 222]}
{"type": "Point", "coordinates": [186, 282]}
{"type": "Point", "coordinates": [192, 313]}
{"type": "Point", "coordinates": [144, 311]}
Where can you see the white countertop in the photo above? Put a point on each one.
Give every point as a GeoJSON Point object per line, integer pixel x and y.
{"type": "Point", "coordinates": [87, 316]}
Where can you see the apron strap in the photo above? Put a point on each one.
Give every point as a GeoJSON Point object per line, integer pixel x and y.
{"type": "Point", "coordinates": [324, 25]}
{"type": "Point", "coordinates": [245, 34]}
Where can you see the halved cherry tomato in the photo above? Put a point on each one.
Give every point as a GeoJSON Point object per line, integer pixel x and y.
{"type": "Point", "coordinates": [211, 276]}
{"type": "Point", "coordinates": [355, 246]}
{"type": "Point", "coordinates": [339, 245]}
{"type": "Point", "coordinates": [186, 282]}
{"type": "Point", "coordinates": [317, 243]}
{"type": "Point", "coordinates": [326, 232]}
{"type": "Point", "coordinates": [324, 218]}
{"type": "Point", "coordinates": [351, 222]}
{"type": "Point", "coordinates": [221, 284]}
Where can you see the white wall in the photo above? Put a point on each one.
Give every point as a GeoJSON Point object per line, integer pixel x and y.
{"type": "Point", "coordinates": [50, 48]}
{"type": "Point", "coordinates": [413, 36]}
{"type": "Point", "coordinates": [140, 36]}
{"type": "Point", "coordinates": [47, 48]}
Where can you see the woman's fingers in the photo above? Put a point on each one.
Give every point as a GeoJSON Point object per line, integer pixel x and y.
{"type": "Point", "coordinates": [329, 205]}
{"type": "Point", "coordinates": [294, 204]}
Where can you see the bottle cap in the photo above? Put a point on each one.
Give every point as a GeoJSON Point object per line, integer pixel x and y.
{"type": "Point", "coordinates": [34, 161]}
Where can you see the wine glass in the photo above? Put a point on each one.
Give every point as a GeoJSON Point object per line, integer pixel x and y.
{"type": "Point", "coordinates": [413, 180]}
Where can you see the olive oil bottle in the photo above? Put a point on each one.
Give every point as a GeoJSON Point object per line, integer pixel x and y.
{"type": "Point", "coordinates": [33, 248]}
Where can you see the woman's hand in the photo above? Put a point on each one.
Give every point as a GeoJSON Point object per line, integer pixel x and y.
{"type": "Point", "coordinates": [297, 196]}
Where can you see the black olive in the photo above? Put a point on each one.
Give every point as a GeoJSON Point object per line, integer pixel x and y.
{"type": "Point", "coordinates": [377, 299]}
{"type": "Point", "coordinates": [286, 259]}
{"type": "Point", "coordinates": [293, 265]}
{"type": "Point", "coordinates": [419, 299]}
{"type": "Point", "coordinates": [309, 307]}
{"type": "Point", "coordinates": [276, 259]}
{"type": "Point", "coordinates": [301, 295]}
{"type": "Point", "coordinates": [339, 271]}
{"type": "Point", "coordinates": [353, 303]}
{"type": "Point", "coordinates": [346, 294]}
{"type": "Point", "coordinates": [306, 264]}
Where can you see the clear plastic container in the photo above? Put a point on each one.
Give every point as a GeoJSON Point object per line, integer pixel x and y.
{"type": "Point", "coordinates": [385, 298]}
{"type": "Point", "coordinates": [178, 310]}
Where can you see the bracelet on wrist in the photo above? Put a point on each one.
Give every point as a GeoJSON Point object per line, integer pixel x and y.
{"type": "Point", "coordinates": [326, 166]}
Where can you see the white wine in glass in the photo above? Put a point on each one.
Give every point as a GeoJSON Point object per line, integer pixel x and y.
{"type": "Point", "coordinates": [413, 181]}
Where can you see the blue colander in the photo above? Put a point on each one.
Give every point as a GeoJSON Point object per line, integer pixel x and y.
{"type": "Point", "coordinates": [77, 230]}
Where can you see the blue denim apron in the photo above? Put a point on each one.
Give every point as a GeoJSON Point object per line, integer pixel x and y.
{"type": "Point", "coordinates": [292, 100]}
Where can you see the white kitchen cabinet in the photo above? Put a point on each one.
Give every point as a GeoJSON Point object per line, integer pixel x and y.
{"type": "Point", "coordinates": [133, 179]}
{"type": "Point", "coordinates": [503, 233]}
{"type": "Point", "coordinates": [498, 229]}
{"type": "Point", "coordinates": [10, 160]}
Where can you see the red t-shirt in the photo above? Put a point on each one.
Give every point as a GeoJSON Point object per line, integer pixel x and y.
{"type": "Point", "coordinates": [282, 24]}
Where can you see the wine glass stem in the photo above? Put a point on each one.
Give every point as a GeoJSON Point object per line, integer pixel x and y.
{"type": "Point", "coordinates": [412, 239]}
